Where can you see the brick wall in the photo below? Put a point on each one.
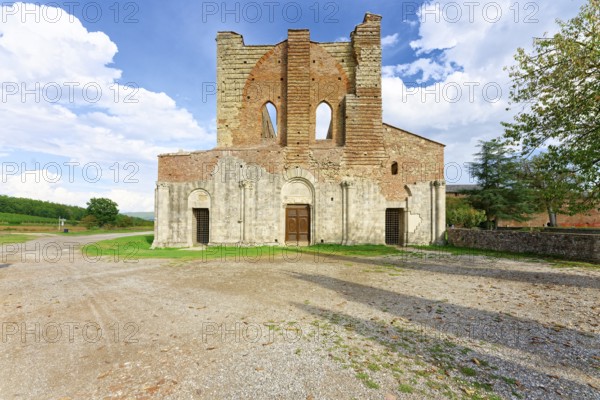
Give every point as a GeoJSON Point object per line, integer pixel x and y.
{"type": "Point", "coordinates": [418, 160]}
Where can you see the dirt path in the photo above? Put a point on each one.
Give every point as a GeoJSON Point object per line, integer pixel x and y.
{"type": "Point", "coordinates": [307, 328]}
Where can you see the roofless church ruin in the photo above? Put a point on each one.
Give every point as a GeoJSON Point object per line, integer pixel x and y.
{"type": "Point", "coordinates": [273, 180]}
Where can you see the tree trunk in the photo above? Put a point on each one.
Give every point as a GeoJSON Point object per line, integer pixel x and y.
{"type": "Point", "coordinates": [552, 216]}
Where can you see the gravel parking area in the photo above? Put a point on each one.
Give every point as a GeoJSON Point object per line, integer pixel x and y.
{"type": "Point", "coordinates": [298, 327]}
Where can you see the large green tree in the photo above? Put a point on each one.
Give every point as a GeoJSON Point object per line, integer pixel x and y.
{"type": "Point", "coordinates": [554, 187]}
{"type": "Point", "coordinates": [502, 192]}
{"type": "Point", "coordinates": [557, 90]}
{"type": "Point", "coordinates": [104, 210]}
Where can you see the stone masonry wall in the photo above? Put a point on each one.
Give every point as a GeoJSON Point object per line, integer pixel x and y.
{"type": "Point", "coordinates": [581, 247]}
{"type": "Point", "coordinates": [247, 204]}
{"type": "Point", "coordinates": [347, 179]}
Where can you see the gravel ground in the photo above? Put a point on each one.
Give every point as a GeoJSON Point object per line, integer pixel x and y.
{"type": "Point", "coordinates": [393, 327]}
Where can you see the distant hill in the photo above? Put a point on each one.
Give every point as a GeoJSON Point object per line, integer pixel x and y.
{"type": "Point", "coordinates": [149, 216]}
{"type": "Point", "coordinates": [17, 210]}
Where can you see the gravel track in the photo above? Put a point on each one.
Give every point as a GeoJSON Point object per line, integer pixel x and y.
{"type": "Point", "coordinates": [390, 327]}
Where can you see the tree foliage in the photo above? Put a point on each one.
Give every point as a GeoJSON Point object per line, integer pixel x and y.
{"type": "Point", "coordinates": [502, 193]}
{"type": "Point", "coordinates": [89, 221]}
{"type": "Point", "coordinates": [557, 87]}
{"type": "Point", "coordinates": [46, 209]}
{"type": "Point", "coordinates": [554, 187]}
{"type": "Point", "coordinates": [104, 210]}
{"type": "Point", "coordinates": [460, 214]}
{"type": "Point", "coordinates": [38, 208]}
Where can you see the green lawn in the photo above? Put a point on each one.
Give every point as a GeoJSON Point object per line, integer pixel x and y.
{"type": "Point", "coordinates": [135, 247]}
{"type": "Point", "coordinates": [12, 239]}
{"type": "Point", "coordinates": [367, 250]}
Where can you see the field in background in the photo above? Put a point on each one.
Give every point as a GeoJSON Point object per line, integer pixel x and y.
{"type": "Point", "coordinates": [20, 219]}
{"type": "Point", "coordinates": [21, 223]}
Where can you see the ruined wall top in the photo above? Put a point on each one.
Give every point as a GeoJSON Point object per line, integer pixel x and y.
{"type": "Point", "coordinates": [296, 76]}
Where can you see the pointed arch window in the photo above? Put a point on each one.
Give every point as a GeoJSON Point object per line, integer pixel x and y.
{"type": "Point", "coordinates": [324, 123]}
{"type": "Point", "coordinates": [269, 120]}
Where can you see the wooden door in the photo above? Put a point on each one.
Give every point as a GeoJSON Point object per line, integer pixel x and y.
{"type": "Point", "coordinates": [297, 224]}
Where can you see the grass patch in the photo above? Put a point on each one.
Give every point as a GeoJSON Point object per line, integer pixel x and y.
{"type": "Point", "coordinates": [136, 247]}
{"type": "Point", "coordinates": [13, 239]}
{"type": "Point", "coordinates": [468, 371]}
{"type": "Point", "coordinates": [367, 381]}
{"type": "Point", "coordinates": [367, 250]}
{"type": "Point", "coordinates": [374, 367]}
{"type": "Point", "coordinates": [405, 388]}
{"type": "Point", "coordinates": [510, 381]}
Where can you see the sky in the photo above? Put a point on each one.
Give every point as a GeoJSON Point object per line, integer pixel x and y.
{"type": "Point", "coordinates": [92, 91]}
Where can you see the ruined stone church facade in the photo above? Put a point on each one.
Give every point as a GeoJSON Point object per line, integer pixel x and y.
{"type": "Point", "coordinates": [272, 181]}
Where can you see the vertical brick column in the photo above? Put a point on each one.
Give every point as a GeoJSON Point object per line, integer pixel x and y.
{"type": "Point", "coordinates": [229, 45]}
{"type": "Point", "coordinates": [364, 129]}
{"type": "Point", "coordinates": [298, 96]}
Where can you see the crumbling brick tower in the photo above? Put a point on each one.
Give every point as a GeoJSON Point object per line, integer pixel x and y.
{"type": "Point", "coordinates": [275, 181]}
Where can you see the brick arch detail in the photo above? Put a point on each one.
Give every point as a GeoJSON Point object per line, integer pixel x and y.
{"type": "Point", "coordinates": [267, 82]}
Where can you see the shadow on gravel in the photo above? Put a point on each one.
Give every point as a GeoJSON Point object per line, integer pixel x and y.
{"type": "Point", "coordinates": [543, 278]}
{"type": "Point", "coordinates": [451, 359]}
{"type": "Point", "coordinates": [558, 345]}
{"type": "Point", "coordinates": [476, 267]}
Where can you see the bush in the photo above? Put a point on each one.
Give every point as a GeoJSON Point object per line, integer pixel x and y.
{"type": "Point", "coordinates": [460, 214]}
{"type": "Point", "coordinates": [89, 221]}
{"type": "Point", "coordinates": [124, 221]}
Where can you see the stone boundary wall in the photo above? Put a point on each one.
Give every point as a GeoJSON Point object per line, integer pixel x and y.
{"type": "Point", "coordinates": [578, 247]}
{"type": "Point", "coordinates": [578, 231]}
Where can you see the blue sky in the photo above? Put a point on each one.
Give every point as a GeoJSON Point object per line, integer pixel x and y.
{"type": "Point", "coordinates": [443, 78]}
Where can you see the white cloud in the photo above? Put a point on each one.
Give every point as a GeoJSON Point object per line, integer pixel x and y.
{"type": "Point", "coordinates": [390, 40]}
{"type": "Point", "coordinates": [429, 69]}
{"type": "Point", "coordinates": [342, 39]}
{"type": "Point", "coordinates": [61, 97]}
{"type": "Point", "coordinates": [456, 90]}
{"type": "Point", "coordinates": [48, 185]}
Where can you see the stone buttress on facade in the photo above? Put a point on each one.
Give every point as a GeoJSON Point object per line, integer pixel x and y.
{"type": "Point", "coordinates": [274, 182]}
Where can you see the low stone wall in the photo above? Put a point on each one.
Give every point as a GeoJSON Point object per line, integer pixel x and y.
{"type": "Point", "coordinates": [564, 245]}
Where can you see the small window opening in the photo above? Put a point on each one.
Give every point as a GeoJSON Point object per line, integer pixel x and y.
{"type": "Point", "coordinates": [324, 125]}
{"type": "Point", "coordinates": [269, 121]}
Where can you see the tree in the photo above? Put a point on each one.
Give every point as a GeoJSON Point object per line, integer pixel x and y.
{"type": "Point", "coordinates": [558, 88]}
{"type": "Point", "coordinates": [124, 221]}
{"type": "Point", "coordinates": [554, 187]}
{"type": "Point", "coordinates": [459, 213]}
{"type": "Point", "coordinates": [89, 221]}
{"type": "Point", "coordinates": [502, 193]}
{"type": "Point", "coordinates": [105, 210]}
